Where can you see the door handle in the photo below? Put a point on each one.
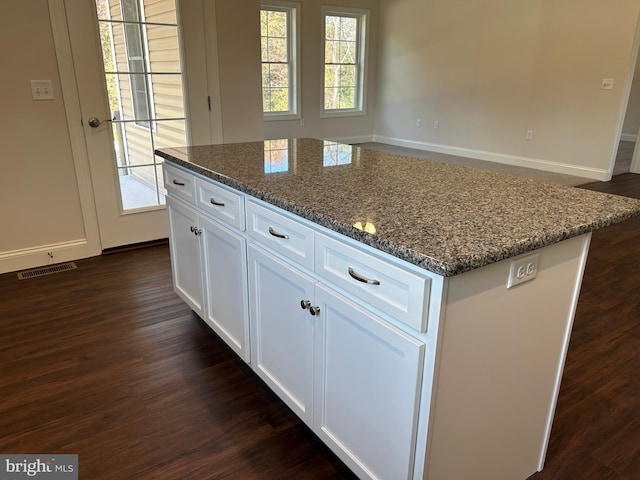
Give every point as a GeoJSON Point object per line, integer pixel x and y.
{"type": "Point", "coordinates": [95, 122]}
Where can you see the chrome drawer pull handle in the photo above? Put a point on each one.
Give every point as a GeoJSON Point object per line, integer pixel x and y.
{"type": "Point", "coordinates": [217, 204]}
{"type": "Point", "coordinates": [176, 182]}
{"type": "Point", "coordinates": [277, 234]}
{"type": "Point", "coordinates": [362, 279]}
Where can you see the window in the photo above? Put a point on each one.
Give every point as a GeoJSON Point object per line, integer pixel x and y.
{"type": "Point", "coordinates": [278, 38]}
{"type": "Point", "coordinates": [344, 54]}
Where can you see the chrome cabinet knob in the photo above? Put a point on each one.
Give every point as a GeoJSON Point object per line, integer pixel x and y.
{"type": "Point", "coordinates": [315, 311]}
{"type": "Point", "coordinates": [305, 304]}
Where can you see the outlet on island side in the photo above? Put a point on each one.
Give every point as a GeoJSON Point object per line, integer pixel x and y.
{"type": "Point", "coordinates": [523, 269]}
{"type": "Point", "coordinates": [529, 135]}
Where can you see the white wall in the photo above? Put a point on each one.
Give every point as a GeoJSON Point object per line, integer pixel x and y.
{"type": "Point", "coordinates": [39, 195]}
{"type": "Point", "coordinates": [489, 71]}
{"type": "Point", "coordinates": [348, 128]}
{"type": "Point", "coordinates": [238, 31]}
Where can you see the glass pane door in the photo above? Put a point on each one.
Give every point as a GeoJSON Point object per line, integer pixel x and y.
{"type": "Point", "coordinates": [143, 71]}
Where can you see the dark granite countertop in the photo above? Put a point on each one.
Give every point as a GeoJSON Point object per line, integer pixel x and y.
{"type": "Point", "coordinates": [444, 218]}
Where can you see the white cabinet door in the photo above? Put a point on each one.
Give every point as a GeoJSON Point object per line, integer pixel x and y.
{"type": "Point", "coordinates": [186, 258]}
{"type": "Point", "coordinates": [367, 386]}
{"type": "Point", "coordinates": [281, 331]}
{"type": "Point", "coordinates": [227, 298]}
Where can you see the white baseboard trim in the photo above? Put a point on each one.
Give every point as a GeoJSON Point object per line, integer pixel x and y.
{"type": "Point", "coordinates": [352, 140]}
{"type": "Point", "coordinates": [535, 163]}
{"type": "Point", "coordinates": [15, 260]}
{"type": "Point", "coordinates": [628, 137]}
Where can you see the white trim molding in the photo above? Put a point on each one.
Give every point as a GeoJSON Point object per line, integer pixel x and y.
{"type": "Point", "coordinates": [535, 163]}
{"type": "Point", "coordinates": [39, 256]}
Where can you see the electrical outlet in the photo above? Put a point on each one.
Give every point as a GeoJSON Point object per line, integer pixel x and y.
{"type": "Point", "coordinates": [529, 135]}
{"type": "Point", "coordinates": [302, 122]}
{"type": "Point", "coordinates": [418, 122]}
{"type": "Point", "coordinates": [607, 84]}
{"type": "Point", "coordinates": [523, 270]}
{"type": "Point", "coordinates": [436, 124]}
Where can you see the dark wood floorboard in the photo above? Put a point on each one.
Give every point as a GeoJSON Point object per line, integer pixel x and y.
{"type": "Point", "coordinates": [107, 362]}
{"type": "Point", "coordinates": [596, 429]}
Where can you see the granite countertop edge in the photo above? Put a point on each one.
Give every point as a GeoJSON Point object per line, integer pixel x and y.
{"type": "Point", "coordinates": [446, 268]}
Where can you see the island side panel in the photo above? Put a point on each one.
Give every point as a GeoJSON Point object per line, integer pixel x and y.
{"type": "Point", "coordinates": [500, 363]}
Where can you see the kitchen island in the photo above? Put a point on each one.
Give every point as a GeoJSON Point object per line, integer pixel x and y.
{"type": "Point", "coordinates": [414, 314]}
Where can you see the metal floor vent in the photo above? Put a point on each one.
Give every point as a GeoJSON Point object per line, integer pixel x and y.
{"type": "Point", "coordinates": [39, 272]}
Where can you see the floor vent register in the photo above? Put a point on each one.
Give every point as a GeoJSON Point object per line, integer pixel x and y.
{"type": "Point", "coordinates": [48, 270]}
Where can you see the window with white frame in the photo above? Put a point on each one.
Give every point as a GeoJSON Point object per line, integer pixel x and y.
{"type": "Point", "coordinates": [344, 60]}
{"type": "Point", "coordinates": [279, 48]}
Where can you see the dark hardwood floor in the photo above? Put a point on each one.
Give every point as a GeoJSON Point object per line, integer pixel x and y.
{"type": "Point", "coordinates": [107, 362]}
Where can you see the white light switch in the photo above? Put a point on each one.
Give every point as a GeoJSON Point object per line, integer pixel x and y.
{"type": "Point", "coordinates": [42, 89]}
{"type": "Point", "coordinates": [607, 84]}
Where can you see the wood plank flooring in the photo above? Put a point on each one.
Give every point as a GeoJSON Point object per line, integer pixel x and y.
{"type": "Point", "coordinates": [107, 362]}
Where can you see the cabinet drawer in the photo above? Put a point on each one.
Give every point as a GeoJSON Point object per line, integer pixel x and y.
{"type": "Point", "coordinates": [393, 290]}
{"type": "Point", "coordinates": [180, 183]}
{"type": "Point", "coordinates": [281, 234]}
{"type": "Point", "coordinates": [220, 203]}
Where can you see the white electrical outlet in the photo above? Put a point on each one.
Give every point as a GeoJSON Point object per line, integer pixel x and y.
{"type": "Point", "coordinates": [418, 122]}
{"type": "Point", "coordinates": [529, 135]}
{"type": "Point", "coordinates": [436, 124]}
{"type": "Point", "coordinates": [607, 84]}
{"type": "Point", "coordinates": [523, 269]}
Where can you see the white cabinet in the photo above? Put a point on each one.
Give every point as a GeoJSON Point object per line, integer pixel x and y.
{"type": "Point", "coordinates": [352, 377]}
{"type": "Point", "coordinates": [338, 333]}
{"type": "Point", "coordinates": [281, 331]}
{"type": "Point", "coordinates": [186, 255]}
{"type": "Point", "coordinates": [225, 279]}
{"type": "Point", "coordinates": [209, 266]}
{"type": "Point", "coordinates": [367, 379]}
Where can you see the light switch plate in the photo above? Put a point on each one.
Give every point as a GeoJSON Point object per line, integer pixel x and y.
{"type": "Point", "coordinates": [42, 89]}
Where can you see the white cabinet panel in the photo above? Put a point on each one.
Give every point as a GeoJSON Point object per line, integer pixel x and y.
{"type": "Point", "coordinates": [367, 385]}
{"type": "Point", "coordinates": [395, 291]}
{"type": "Point", "coordinates": [281, 331]}
{"type": "Point", "coordinates": [227, 297]}
{"type": "Point", "coordinates": [180, 184]}
{"type": "Point", "coordinates": [281, 234]}
{"type": "Point", "coordinates": [186, 258]}
{"type": "Point", "coordinates": [220, 203]}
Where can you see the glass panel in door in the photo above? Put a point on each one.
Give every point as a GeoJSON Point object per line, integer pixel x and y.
{"type": "Point", "coordinates": [143, 72]}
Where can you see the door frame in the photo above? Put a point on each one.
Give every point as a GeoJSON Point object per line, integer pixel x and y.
{"type": "Point", "coordinates": [73, 114]}
{"type": "Point", "coordinates": [200, 76]}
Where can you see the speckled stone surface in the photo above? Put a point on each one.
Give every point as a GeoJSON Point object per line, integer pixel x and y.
{"type": "Point", "coordinates": [447, 219]}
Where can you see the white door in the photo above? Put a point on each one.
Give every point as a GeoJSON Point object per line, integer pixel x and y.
{"type": "Point", "coordinates": [186, 255]}
{"type": "Point", "coordinates": [281, 331]}
{"type": "Point", "coordinates": [367, 379]}
{"type": "Point", "coordinates": [226, 294]}
{"type": "Point", "coordinates": [127, 64]}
